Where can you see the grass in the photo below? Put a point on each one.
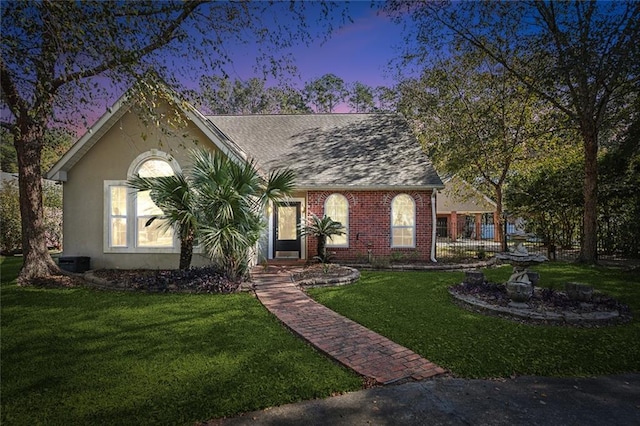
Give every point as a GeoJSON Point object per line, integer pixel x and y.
{"type": "Point", "coordinates": [415, 310]}
{"type": "Point", "coordinates": [79, 356]}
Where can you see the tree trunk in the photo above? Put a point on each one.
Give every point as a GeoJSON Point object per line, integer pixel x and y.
{"type": "Point", "coordinates": [322, 248]}
{"type": "Point", "coordinates": [36, 259]}
{"type": "Point", "coordinates": [589, 247]}
{"type": "Point", "coordinates": [186, 250]}
{"type": "Point", "coordinates": [498, 222]}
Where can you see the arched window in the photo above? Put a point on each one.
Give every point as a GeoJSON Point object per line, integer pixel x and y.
{"type": "Point", "coordinates": [336, 207]}
{"type": "Point", "coordinates": [151, 231]}
{"type": "Point", "coordinates": [133, 222]}
{"type": "Point", "coordinates": [403, 221]}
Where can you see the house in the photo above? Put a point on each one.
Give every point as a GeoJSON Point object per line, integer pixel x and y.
{"type": "Point", "coordinates": [365, 170]}
{"type": "Point", "coordinates": [464, 212]}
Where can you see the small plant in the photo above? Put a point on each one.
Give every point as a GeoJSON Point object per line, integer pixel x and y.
{"type": "Point", "coordinates": [415, 255]}
{"type": "Point", "coordinates": [322, 229]}
{"type": "Point", "coordinates": [326, 263]}
{"type": "Point", "coordinates": [482, 254]}
{"type": "Point", "coordinates": [380, 262]}
{"type": "Point", "coordinates": [361, 257]}
{"type": "Point", "coordinates": [397, 256]}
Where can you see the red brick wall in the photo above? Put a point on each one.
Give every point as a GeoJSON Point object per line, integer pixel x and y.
{"type": "Point", "coordinates": [370, 225]}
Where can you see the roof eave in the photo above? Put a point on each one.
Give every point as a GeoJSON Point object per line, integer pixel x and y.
{"type": "Point", "coordinates": [369, 187]}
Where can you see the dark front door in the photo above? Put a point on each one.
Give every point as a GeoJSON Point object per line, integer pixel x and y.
{"type": "Point", "coordinates": [286, 233]}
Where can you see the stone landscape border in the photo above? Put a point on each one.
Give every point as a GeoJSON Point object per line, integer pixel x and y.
{"type": "Point", "coordinates": [352, 277]}
{"type": "Point", "coordinates": [588, 319]}
{"type": "Point", "coordinates": [427, 267]}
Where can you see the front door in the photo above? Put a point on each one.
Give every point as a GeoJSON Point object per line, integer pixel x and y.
{"type": "Point", "coordinates": [286, 233]}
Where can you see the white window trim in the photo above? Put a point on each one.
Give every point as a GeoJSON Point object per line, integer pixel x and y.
{"type": "Point", "coordinates": [108, 216]}
{"type": "Point", "coordinates": [345, 226]}
{"type": "Point", "coordinates": [152, 154]}
{"type": "Point", "coordinates": [132, 225]}
{"type": "Point", "coordinates": [414, 226]}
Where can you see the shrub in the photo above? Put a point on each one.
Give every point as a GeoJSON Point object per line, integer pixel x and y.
{"type": "Point", "coordinates": [11, 232]}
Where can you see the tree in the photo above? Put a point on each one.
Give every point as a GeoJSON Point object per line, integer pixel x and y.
{"type": "Point", "coordinates": [475, 120]}
{"type": "Point", "coordinates": [53, 53]}
{"type": "Point", "coordinates": [223, 96]}
{"type": "Point", "coordinates": [231, 199]}
{"type": "Point", "coordinates": [325, 93]}
{"type": "Point", "coordinates": [360, 97]}
{"type": "Point", "coordinates": [619, 206]}
{"type": "Point", "coordinates": [549, 198]}
{"type": "Point", "coordinates": [220, 95]}
{"type": "Point", "coordinates": [219, 203]}
{"type": "Point", "coordinates": [322, 229]}
{"type": "Point", "coordinates": [56, 142]}
{"type": "Point", "coordinates": [287, 100]}
{"type": "Point", "coordinates": [11, 236]}
{"type": "Point", "coordinates": [581, 57]}
{"type": "Point", "coordinates": [174, 195]}
{"type": "Point", "coordinates": [387, 98]}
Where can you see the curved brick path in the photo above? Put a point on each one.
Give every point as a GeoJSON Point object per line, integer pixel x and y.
{"type": "Point", "coordinates": [348, 342]}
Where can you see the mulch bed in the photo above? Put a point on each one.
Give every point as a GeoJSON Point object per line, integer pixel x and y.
{"type": "Point", "coordinates": [194, 280]}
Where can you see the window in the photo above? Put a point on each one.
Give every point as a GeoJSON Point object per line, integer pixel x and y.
{"type": "Point", "coordinates": [118, 216]}
{"type": "Point", "coordinates": [336, 207]}
{"type": "Point", "coordinates": [155, 234]}
{"type": "Point", "coordinates": [403, 221]}
{"type": "Point", "coordinates": [128, 226]}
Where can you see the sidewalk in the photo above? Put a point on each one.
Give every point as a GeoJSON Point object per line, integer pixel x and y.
{"type": "Point", "coordinates": [348, 342]}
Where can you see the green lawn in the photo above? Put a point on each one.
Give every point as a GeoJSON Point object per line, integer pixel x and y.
{"type": "Point", "coordinates": [415, 310]}
{"type": "Point", "coordinates": [79, 356]}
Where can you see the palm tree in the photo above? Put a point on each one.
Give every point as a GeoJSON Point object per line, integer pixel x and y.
{"type": "Point", "coordinates": [174, 196]}
{"type": "Point", "coordinates": [231, 199]}
{"type": "Point", "coordinates": [220, 203]}
{"type": "Point", "coordinates": [322, 229]}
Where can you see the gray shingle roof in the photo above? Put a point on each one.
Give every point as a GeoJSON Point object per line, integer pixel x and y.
{"type": "Point", "coordinates": [334, 150]}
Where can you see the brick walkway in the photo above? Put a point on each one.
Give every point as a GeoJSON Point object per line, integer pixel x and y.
{"type": "Point", "coordinates": [348, 342]}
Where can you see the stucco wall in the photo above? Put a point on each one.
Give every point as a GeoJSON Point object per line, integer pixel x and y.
{"type": "Point", "coordinates": [109, 159]}
{"type": "Point", "coordinates": [370, 225]}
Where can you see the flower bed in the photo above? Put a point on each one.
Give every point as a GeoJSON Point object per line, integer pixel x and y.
{"type": "Point", "coordinates": [546, 305]}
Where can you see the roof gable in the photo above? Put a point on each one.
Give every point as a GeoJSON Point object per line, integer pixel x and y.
{"type": "Point", "coordinates": [460, 196]}
{"type": "Point", "coordinates": [118, 110]}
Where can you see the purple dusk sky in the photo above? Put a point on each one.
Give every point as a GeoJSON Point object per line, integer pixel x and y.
{"type": "Point", "coordinates": [356, 51]}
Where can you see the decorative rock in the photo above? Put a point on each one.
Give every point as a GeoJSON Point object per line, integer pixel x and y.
{"type": "Point", "coordinates": [579, 291]}
{"type": "Point", "coordinates": [473, 277]}
{"type": "Point", "coordinates": [519, 292]}
{"type": "Point", "coordinates": [534, 277]}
